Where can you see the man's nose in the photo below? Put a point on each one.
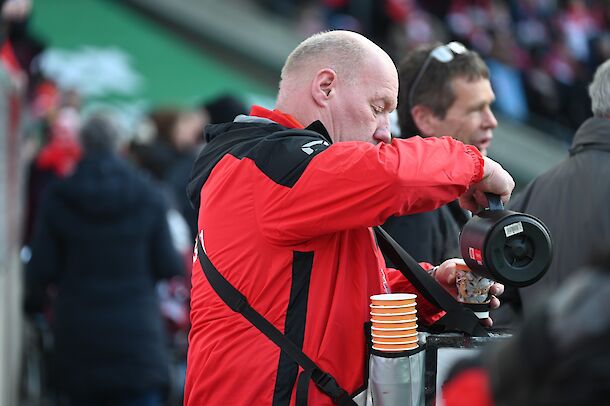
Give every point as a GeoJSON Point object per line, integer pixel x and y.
{"type": "Point", "coordinates": [490, 121]}
{"type": "Point", "coordinates": [383, 133]}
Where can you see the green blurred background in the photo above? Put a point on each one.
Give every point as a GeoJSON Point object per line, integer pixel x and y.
{"type": "Point", "coordinates": [168, 69]}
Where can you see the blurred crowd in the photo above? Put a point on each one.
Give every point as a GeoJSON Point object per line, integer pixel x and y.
{"type": "Point", "coordinates": [161, 148]}
{"type": "Point", "coordinates": [541, 53]}
{"type": "Point", "coordinates": [157, 148]}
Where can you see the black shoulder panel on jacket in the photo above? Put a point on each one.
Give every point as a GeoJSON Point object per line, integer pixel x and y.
{"type": "Point", "coordinates": [281, 154]}
{"type": "Point", "coordinates": [284, 155]}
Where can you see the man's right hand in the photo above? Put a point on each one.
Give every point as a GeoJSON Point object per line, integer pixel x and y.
{"type": "Point", "coordinates": [495, 180]}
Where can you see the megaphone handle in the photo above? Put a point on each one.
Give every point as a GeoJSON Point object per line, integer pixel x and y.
{"type": "Point", "coordinates": [495, 203]}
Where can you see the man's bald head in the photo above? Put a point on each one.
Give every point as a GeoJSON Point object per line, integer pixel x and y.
{"type": "Point", "coordinates": [342, 51]}
{"type": "Point", "coordinates": [343, 80]}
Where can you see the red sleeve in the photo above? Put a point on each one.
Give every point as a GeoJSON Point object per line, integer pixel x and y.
{"type": "Point", "coordinates": [357, 184]}
{"type": "Point", "coordinates": [426, 311]}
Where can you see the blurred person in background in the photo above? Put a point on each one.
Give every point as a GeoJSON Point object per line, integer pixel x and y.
{"type": "Point", "coordinates": [164, 146]}
{"type": "Point", "coordinates": [13, 17]}
{"type": "Point", "coordinates": [560, 357]}
{"type": "Point", "coordinates": [223, 108]}
{"type": "Point", "coordinates": [177, 137]}
{"type": "Point", "coordinates": [54, 148]}
{"type": "Point", "coordinates": [285, 213]}
{"type": "Point", "coordinates": [444, 91]}
{"type": "Point", "coordinates": [102, 241]}
{"type": "Point", "coordinates": [572, 200]}
{"type": "Point", "coordinates": [19, 51]}
{"type": "Point", "coordinates": [15, 10]}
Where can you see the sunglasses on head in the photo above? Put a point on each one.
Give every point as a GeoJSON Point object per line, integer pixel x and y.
{"type": "Point", "coordinates": [442, 53]}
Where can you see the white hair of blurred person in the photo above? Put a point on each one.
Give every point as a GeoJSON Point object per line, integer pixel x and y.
{"type": "Point", "coordinates": [599, 90]}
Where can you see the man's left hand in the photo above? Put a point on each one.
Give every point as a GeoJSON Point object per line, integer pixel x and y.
{"type": "Point", "coordinates": [445, 275]}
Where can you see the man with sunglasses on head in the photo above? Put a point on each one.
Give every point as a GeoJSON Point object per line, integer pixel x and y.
{"type": "Point", "coordinates": [444, 91]}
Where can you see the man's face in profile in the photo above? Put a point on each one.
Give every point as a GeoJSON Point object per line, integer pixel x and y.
{"type": "Point", "coordinates": [361, 110]}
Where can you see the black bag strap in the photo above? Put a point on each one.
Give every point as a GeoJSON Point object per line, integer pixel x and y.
{"type": "Point", "coordinates": [238, 303]}
{"type": "Point", "coordinates": [457, 317]}
{"type": "Point", "coordinates": [460, 215]}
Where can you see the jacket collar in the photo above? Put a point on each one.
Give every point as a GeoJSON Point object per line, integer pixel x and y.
{"type": "Point", "coordinates": [262, 115]}
{"type": "Point", "coordinates": [283, 119]}
{"type": "Point", "coordinates": [593, 131]}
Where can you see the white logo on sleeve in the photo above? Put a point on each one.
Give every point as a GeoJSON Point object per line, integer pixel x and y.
{"type": "Point", "coordinates": [307, 148]}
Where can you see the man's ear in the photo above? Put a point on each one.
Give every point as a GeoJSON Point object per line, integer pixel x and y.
{"type": "Point", "coordinates": [424, 119]}
{"type": "Point", "coordinates": [323, 85]}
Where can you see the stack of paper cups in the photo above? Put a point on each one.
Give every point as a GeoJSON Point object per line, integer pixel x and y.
{"type": "Point", "coordinates": [394, 319]}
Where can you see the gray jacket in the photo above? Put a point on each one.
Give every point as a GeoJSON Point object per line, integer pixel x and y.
{"type": "Point", "coordinates": [573, 200]}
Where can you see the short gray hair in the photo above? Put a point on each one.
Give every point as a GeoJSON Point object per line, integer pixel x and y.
{"type": "Point", "coordinates": [341, 51]}
{"type": "Point", "coordinates": [599, 90]}
{"type": "Point", "coordinates": [99, 133]}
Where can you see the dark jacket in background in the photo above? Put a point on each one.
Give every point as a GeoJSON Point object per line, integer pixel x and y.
{"type": "Point", "coordinates": [429, 237]}
{"type": "Point", "coordinates": [573, 200]}
{"type": "Point", "coordinates": [102, 238]}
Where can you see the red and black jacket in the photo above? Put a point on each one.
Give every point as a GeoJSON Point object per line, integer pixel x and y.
{"type": "Point", "coordinates": [285, 216]}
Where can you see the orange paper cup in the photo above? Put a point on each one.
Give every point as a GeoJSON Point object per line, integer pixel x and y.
{"type": "Point", "coordinates": [395, 324]}
{"type": "Point", "coordinates": [393, 299]}
{"type": "Point", "coordinates": [384, 327]}
{"type": "Point", "coordinates": [402, 341]}
{"type": "Point", "coordinates": [394, 332]}
{"type": "Point", "coordinates": [394, 317]}
{"type": "Point", "coordinates": [394, 340]}
{"type": "Point", "coordinates": [395, 347]}
{"type": "Point", "coordinates": [393, 309]}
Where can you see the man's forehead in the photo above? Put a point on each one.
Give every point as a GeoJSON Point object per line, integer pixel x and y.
{"type": "Point", "coordinates": [472, 91]}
